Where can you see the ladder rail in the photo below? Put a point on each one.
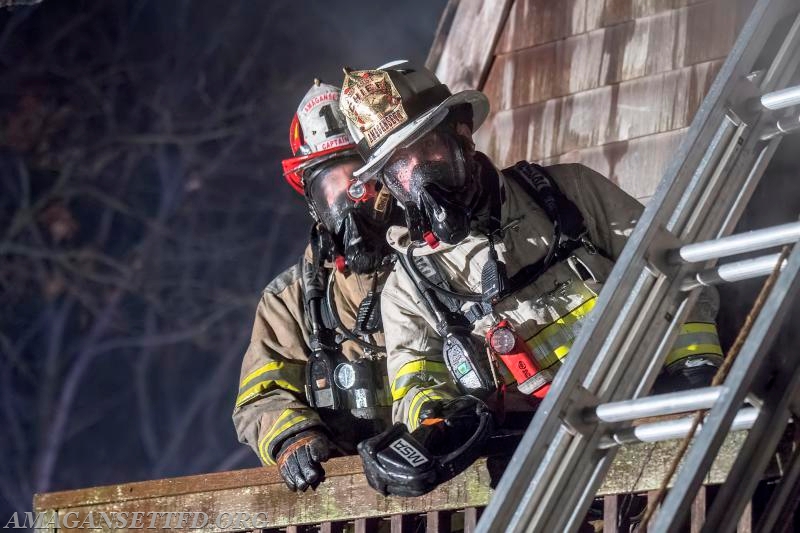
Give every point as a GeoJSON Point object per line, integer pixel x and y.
{"type": "Point", "coordinates": [785, 62]}
{"type": "Point", "coordinates": [584, 481]}
{"type": "Point", "coordinates": [754, 456]}
{"type": "Point", "coordinates": [748, 188]}
{"type": "Point", "coordinates": [706, 447]}
{"type": "Point", "coordinates": [718, 421]}
{"type": "Point", "coordinates": [524, 486]}
{"type": "Point", "coordinates": [781, 505]}
{"type": "Point", "coordinates": [693, 224]}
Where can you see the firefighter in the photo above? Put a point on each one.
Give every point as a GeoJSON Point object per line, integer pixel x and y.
{"type": "Point", "coordinates": [303, 393]}
{"type": "Point", "coordinates": [520, 253]}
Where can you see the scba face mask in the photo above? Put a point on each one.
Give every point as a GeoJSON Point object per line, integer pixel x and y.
{"type": "Point", "coordinates": [355, 214]}
{"type": "Point", "coordinates": [432, 179]}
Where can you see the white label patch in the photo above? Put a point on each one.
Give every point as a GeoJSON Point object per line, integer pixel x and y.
{"type": "Point", "coordinates": [412, 455]}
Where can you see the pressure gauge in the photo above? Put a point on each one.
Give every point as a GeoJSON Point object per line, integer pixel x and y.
{"type": "Point", "coordinates": [345, 376]}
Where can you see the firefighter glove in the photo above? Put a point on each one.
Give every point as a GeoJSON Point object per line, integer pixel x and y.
{"type": "Point", "coordinates": [299, 459]}
{"type": "Point", "coordinates": [401, 463]}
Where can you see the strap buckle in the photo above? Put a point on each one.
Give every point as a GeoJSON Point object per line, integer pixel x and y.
{"type": "Point", "coordinates": [587, 243]}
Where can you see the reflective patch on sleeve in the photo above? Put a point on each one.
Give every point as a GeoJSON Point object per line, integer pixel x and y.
{"type": "Point", "coordinates": [418, 400]}
{"type": "Point", "coordinates": [695, 338]}
{"type": "Point", "coordinates": [287, 420]}
{"type": "Point", "coordinates": [273, 375]}
{"type": "Point", "coordinates": [553, 342]}
{"type": "Point", "coordinates": [420, 372]}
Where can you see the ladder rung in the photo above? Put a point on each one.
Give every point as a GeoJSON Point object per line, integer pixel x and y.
{"type": "Point", "coordinates": [739, 244]}
{"type": "Point", "coordinates": [784, 126]}
{"type": "Point", "coordinates": [658, 404]}
{"type": "Point", "coordinates": [737, 271]}
{"type": "Point", "coordinates": [674, 429]}
{"type": "Point", "coordinates": [781, 99]}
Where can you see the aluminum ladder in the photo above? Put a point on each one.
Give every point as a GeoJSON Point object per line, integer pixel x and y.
{"type": "Point", "coordinates": [571, 442]}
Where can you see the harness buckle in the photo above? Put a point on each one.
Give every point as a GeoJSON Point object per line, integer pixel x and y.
{"type": "Point", "coordinates": [587, 243]}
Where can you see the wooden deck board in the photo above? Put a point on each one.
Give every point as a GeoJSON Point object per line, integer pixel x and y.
{"type": "Point", "coordinates": [344, 495]}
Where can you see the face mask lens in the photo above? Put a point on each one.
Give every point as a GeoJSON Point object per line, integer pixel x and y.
{"type": "Point", "coordinates": [431, 160]}
{"type": "Point", "coordinates": [334, 194]}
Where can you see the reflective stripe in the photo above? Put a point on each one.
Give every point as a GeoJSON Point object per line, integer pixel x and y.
{"type": "Point", "coordinates": [287, 419]}
{"type": "Point", "coordinates": [275, 374]}
{"type": "Point", "coordinates": [695, 338]}
{"type": "Point", "coordinates": [421, 398]}
{"type": "Point", "coordinates": [553, 342]}
{"type": "Point", "coordinates": [418, 372]}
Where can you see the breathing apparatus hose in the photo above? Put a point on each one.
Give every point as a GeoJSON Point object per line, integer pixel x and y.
{"type": "Point", "coordinates": [341, 327]}
{"type": "Point", "coordinates": [518, 281]}
{"type": "Point", "coordinates": [469, 297]}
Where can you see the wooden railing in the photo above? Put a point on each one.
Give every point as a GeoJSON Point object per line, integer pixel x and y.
{"type": "Point", "coordinates": [344, 501]}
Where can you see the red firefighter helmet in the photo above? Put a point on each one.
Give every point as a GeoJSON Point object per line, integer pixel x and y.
{"type": "Point", "coordinates": [318, 133]}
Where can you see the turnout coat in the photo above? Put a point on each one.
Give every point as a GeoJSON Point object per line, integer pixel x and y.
{"type": "Point", "coordinates": [547, 313]}
{"type": "Point", "coordinates": [271, 403]}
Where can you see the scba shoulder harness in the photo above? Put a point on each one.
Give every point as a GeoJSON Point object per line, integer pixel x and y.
{"type": "Point", "coordinates": [333, 382]}
{"type": "Point", "coordinates": [461, 350]}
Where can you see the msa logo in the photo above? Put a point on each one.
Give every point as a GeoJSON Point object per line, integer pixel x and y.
{"type": "Point", "coordinates": [412, 456]}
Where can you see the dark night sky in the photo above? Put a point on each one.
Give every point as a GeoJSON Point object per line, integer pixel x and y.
{"type": "Point", "coordinates": [142, 211]}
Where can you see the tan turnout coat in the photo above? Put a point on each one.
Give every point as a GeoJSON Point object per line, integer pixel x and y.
{"type": "Point", "coordinates": [547, 314]}
{"type": "Point", "coordinates": [271, 403]}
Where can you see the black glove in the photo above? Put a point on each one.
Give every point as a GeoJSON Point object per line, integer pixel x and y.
{"type": "Point", "coordinates": [400, 463]}
{"type": "Point", "coordinates": [299, 459]}
{"type": "Point", "coordinates": [446, 426]}
{"type": "Point", "coordinates": [689, 373]}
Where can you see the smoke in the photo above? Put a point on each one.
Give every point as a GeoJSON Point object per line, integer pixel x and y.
{"type": "Point", "coordinates": [775, 201]}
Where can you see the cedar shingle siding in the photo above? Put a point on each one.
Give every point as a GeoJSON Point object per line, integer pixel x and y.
{"type": "Point", "coordinates": [612, 84]}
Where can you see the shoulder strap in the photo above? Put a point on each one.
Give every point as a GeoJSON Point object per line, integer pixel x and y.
{"type": "Point", "coordinates": [569, 230]}
{"type": "Point", "coordinates": [436, 304]}
{"type": "Point", "coordinates": [314, 283]}
{"type": "Point", "coordinates": [433, 271]}
{"type": "Point", "coordinates": [538, 183]}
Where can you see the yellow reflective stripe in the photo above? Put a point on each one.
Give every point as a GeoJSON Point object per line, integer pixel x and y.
{"type": "Point", "coordinates": [272, 365]}
{"type": "Point", "coordinates": [694, 349]}
{"type": "Point", "coordinates": [287, 419]}
{"type": "Point", "coordinates": [695, 338]}
{"type": "Point", "coordinates": [268, 377]}
{"type": "Point", "coordinates": [420, 371]}
{"type": "Point", "coordinates": [421, 398]}
{"type": "Point", "coordinates": [553, 342]}
{"type": "Point", "coordinates": [264, 386]}
{"type": "Point", "coordinates": [698, 327]}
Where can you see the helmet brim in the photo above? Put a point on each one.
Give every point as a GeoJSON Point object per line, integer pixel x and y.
{"type": "Point", "coordinates": [294, 167]}
{"type": "Point", "coordinates": [428, 120]}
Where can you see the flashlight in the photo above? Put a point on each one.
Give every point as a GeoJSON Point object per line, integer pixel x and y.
{"type": "Point", "coordinates": [517, 357]}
